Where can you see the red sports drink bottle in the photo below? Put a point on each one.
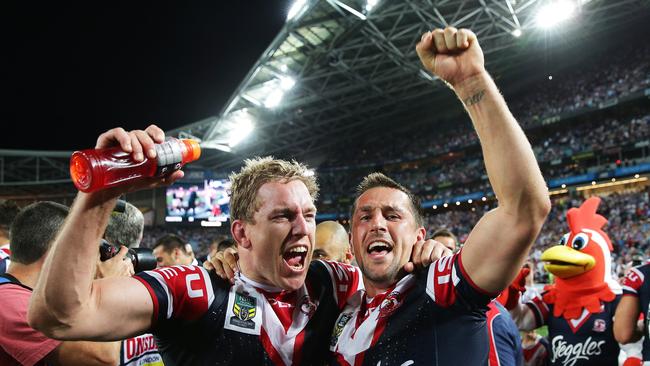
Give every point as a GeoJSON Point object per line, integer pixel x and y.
{"type": "Point", "coordinates": [95, 169]}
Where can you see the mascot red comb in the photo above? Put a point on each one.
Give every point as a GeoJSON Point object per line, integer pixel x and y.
{"type": "Point", "coordinates": [580, 306]}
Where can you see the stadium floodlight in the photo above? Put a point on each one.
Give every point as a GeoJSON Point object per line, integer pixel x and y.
{"type": "Point", "coordinates": [370, 4]}
{"type": "Point", "coordinates": [554, 13]}
{"type": "Point", "coordinates": [242, 127]}
{"type": "Point", "coordinates": [276, 88]}
{"type": "Point", "coordinates": [274, 98]}
{"type": "Point", "coordinates": [516, 33]}
{"type": "Point", "coordinates": [287, 82]}
{"type": "Point", "coordinates": [297, 9]}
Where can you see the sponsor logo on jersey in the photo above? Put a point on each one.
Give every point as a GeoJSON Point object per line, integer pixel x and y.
{"type": "Point", "coordinates": [141, 351]}
{"type": "Point", "coordinates": [338, 328]}
{"type": "Point", "coordinates": [569, 354]}
{"type": "Point", "coordinates": [599, 325]}
{"type": "Point", "coordinates": [244, 310]}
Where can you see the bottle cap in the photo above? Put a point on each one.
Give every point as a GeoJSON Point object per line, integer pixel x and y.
{"type": "Point", "coordinates": [193, 150]}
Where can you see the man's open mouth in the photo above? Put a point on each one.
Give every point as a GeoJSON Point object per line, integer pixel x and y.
{"type": "Point", "coordinates": [295, 257]}
{"type": "Point", "coordinates": [379, 248]}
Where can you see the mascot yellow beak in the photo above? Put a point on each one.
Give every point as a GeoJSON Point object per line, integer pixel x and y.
{"type": "Point", "coordinates": [566, 262]}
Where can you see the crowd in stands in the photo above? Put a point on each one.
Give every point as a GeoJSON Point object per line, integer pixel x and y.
{"type": "Point", "coordinates": [443, 179]}
{"type": "Point", "coordinates": [628, 227]}
{"type": "Point", "coordinates": [615, 76]}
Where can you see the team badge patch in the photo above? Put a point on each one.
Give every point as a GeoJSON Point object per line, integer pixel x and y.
{"type": "Point", "coordinates": [390, 304]}
{"type": "Point", "coordinates": [244, 310]}
{"type": "Point", "coordinates": [307, 307]}
{"type": "Point", "coordinates": [599, 325]}
{"type": "Point", "coordinates": [338, 328]}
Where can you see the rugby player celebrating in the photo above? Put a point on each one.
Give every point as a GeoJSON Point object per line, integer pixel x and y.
{"type": "Point", "coordinates": [438, 317]}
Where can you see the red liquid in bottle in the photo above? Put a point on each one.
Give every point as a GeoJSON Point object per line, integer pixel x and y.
{"type": "Point", "coordinates": [96, 169]}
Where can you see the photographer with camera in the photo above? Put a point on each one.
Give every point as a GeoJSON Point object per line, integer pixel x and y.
{"type": "Point", "coordinates": [125, 227]}
{"type": "Point", "coordinates": [32, 233]}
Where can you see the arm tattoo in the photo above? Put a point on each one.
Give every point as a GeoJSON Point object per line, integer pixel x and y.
{"type": "Point", "coordinates": [474, 99]}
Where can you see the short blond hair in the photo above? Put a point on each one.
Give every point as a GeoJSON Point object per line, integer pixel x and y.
{"type": "Point", "coordinates": [258, 171]}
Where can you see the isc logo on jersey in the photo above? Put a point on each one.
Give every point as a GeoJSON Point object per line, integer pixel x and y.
{"type": "Point", "coordinates": [569, 354]}
{"type": "Point", "coordinates": [135, 350]}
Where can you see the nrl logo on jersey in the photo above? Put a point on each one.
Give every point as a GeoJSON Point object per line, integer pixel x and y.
{"type": "Point", "coordinates": [244, 310]}
{"type": "Point", "coordinates": [338, 328]}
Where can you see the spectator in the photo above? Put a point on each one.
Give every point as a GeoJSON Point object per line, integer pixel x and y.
{"type": "Point", "coordinates": [446, 237]}
{"type": "Point", "coordinates": [332, 242]}
{"type": "Point", "coordinates": [32, 233]}
{"type": "Point", "coordinates": [172, 250]}
{"type": "Point", "coordinates": [125, 227]}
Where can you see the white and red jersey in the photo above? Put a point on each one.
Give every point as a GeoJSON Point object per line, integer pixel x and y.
{"type": "Point", "coordinates": [436, 318]}
{"type": "Point", "coordinates": [636, 285]}
{"type": "Point", "coordinates": [202, 319]}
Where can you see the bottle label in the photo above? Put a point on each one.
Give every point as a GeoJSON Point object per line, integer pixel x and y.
{"type": "Point", "coordinates": [168, 157]}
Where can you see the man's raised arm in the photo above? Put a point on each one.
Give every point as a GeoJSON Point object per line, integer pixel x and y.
{"type": "Point", "coordinates": [499, 243]}
{"type": "Point", "coordinates": [67, 303]}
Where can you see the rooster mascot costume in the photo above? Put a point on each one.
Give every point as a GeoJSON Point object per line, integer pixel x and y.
{"type": "Point", "coordinates": [579, 307]}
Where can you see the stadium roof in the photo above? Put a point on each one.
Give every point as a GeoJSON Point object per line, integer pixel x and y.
{"type": "Point", "coordinates": [356, 71]}
{"type": "Point", "coordinates": [337, 71]}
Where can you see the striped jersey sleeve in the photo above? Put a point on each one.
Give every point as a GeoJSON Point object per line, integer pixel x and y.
{"type": "Point", "coordinates": [634, 280]}
{"type": "Point", "coordinates": [447, 283]}
{"type": "Point", "coordinates": [346, 280]}
{"type": "Point", "coordinates": [178, 292]}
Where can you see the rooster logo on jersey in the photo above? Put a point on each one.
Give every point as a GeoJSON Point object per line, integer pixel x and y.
{"type": "Point", "coordinates": [581, 265]}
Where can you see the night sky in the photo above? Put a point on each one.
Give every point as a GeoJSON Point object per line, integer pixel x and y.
{"type": "Point", "coordinates": [71, 71]}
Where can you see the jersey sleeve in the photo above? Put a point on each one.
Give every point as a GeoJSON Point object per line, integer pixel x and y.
{"type": "Point", "coordinates": [539, 309]}
{"type": "Point", "coordinates": [345, 279]}
{"type": "Point", "coordinates": [505, 343]}
{"type": "Point", "coordinates": [448, 284]}
{"type": "Point", "coordinates": [634, 280]}
{"type": "Point", "coordinates": [178, 292]}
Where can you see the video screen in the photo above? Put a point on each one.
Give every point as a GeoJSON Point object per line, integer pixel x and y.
{"type": "Point", "coordinates": [207, 203]}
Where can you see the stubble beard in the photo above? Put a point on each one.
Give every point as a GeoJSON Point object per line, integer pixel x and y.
{"type": "Point", "coordinates": [384, 277]}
